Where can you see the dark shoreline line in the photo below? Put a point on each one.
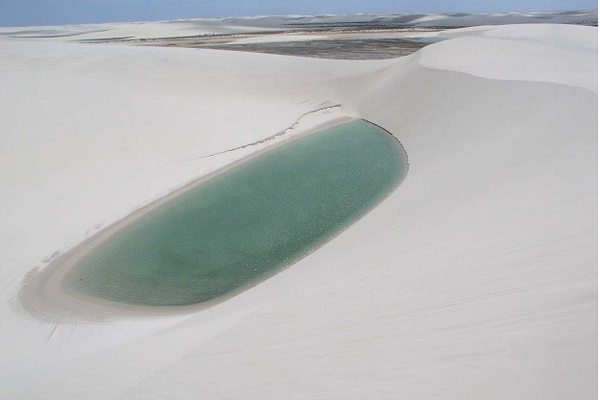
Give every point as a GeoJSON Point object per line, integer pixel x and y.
{"type": "Point", "coordinates": [268, 138]}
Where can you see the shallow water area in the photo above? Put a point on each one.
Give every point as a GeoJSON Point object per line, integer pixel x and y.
{"type": "Point", "coordinates": [340, 48]}
{"type": "Point", "coordinates": [246, 223]}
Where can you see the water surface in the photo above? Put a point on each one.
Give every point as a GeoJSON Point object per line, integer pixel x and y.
{"type": "Point", "coordinates": [246, 223]}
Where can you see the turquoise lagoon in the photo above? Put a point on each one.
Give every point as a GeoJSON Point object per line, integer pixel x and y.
{"type": "Point", "coordinates": [250, 221]}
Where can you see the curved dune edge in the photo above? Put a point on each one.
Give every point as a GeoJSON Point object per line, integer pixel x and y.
{"type": "Point", "coordinates": [44, 296]}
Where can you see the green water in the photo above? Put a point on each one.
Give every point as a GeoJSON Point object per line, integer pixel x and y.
{"type": "Point", "coordinates": [247, 223]}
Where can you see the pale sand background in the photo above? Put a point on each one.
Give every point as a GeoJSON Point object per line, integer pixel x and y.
{"type": "Point", "coordinates": [476, 279]}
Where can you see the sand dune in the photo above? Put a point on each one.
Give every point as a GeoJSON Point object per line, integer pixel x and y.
{"type": "Point", "coordinates": [200, 26]}
{"type": "Point", "coordinates": [476, 278]}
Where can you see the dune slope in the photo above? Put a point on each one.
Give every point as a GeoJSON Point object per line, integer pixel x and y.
{"type": "Point", "coordinates": [475, 279]}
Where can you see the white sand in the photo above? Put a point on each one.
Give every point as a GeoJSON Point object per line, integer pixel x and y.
{"type": "Point", "coordinates": [204, 26]}
{"type": "Point", "coordinates": [131, 30]}
{"type": "Point", "coordinates": [470, 19]}
{"type": "Point", "coordinates": [476, 279]}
